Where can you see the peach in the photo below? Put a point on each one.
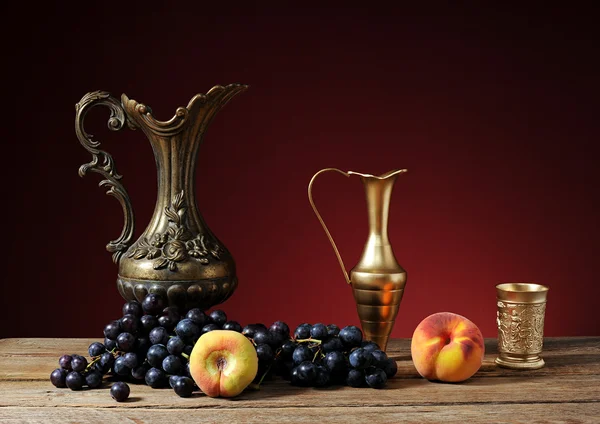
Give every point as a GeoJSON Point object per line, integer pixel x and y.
{"type": "Point", "coordinates": [223, 363]}
{"type": "Point", "coordinates": [447, 347]}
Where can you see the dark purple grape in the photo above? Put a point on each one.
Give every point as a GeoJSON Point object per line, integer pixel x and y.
{"type": "Point", "coordinates": [187, 330]}
{"type": "Point", "coordinates": [323, 376]}
{"type": "Point", "coordinates": [96, 367]}
{"type": "Point", "coordinates": [78, 363]}
{"type": "Point", "coordinates": [232, 326]}
{"type": "Point", "coordinates": [159, 335]}
{"type": "Point", "coordinates": [376, 378]}
{"type": "Point", "coordinates": [307, 373]}
{"type": "Point", "coordinates": [335, 362]}
{"type": "Point", "coordinates": [175, 345]}
{"type": "Point", "coordinates": [109, 344]}
{"type": "Point", "coordinates": [360, 359]}
{"type": "Point", "coordinates": [93, 379]}
{"type": "Point", "coordinates": [355, 378]}
{"type": "Point", "coordinates": [301, 354]}
{"type": "Point", "coordinates": [369, 346]}
{"type": "Point", "coordinates": [249, 330]}
{"type": "Point", "coordinates": [96, 349]}
{"type": "Point", "coordinates": [281, 328]}
{"type": "Point", "coordinates": [156, 355]}
{"type": "Point", "coordinates": [112, 330]}
{"type": "Point", "coordinates": [107, 360]}
{"type": "Point", "coordinates": [148, 323]}
{"type": "Point", "coordinates": [390, 368]}
{"type": "Point", "coordinates": [153, 304]}
{"type": "Point", "coordinates": [262, 337]}
{"type": "Point", "coordinates": [218, 317]}
{"type": "Point", "coordinates": [133, 308]}
{"type": "Point", "coordinates": [318, 331]}
{"type": "Point", "coordinates": [302, 331]}
{"type": "Point", "coordinates": [173, 313]}
{"type": "Point", "coordinates": [142, 344]}
{"type": "Point", "coordinates": [120, 367]}
{"type": "Point", "coordinates": [74, 380]}
{"type": "Point", "coordinates": [130, 324]}
{"type": "Point", "coordinates": [294, 379]}
{"type": "Point", "coordinates": [172, 364]}
{"type": "Point", "coordinates": [332, 345]}
{"type": "Point", "coordinates": [209, 327]}
{"type": "Point", "coordinates": [155, 378]}
{"type": "Point", "coordinates": [139, 372]}
{"type": "Point", "coordinates": [65, 362]}
{"type": "Point", "coordinates": [126, 342]}
{"type": "Point", "coordinates": [167, 322]}
{"type": "Point", "coordinates": [183, 386]}
{"type": "Point", "coordinates": [131, 360]}
{"type": "Point", "coordinates": [379, 359]}
{"type": "Point", "coordinates": [173, 379]}
{"type": "Point", "coordinates": [277, 339]}
{"type": "Point", "coordinates": [287, 349]}
{"type": "Point", "coordinates": [264, 353]}
{"type": "Point", "coordinates": [351, 336]}
{"type": "Point", "coordinates": [333, 330]}
{"type": "Point", "coordinates": [198, 317]}
{"type": "Point", "coordinates": [119, 391]}
{"type": "Point", "coordinates": [188, 349]}
{"type": "Point", "coordinates": [58, 376]}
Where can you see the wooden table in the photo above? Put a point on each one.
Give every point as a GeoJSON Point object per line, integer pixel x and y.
{"type": "Point", "coordinates": [566, 390]}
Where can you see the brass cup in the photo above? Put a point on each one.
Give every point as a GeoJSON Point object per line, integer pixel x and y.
{"type": "Point", "coordinates": [520, 320]}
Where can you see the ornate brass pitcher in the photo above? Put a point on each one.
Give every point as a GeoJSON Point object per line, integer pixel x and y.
{"type": "Point", "coordinates": [377, 280]}
{"type": "Point", "coordinates": [177, 255]}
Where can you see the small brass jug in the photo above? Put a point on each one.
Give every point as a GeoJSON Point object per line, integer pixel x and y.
{"type": "Point", "coordinates": [377, 280]}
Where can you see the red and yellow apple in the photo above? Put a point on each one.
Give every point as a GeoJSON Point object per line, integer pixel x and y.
{"type": "Point", "coordinates": [223, 363]}
{"type": "Point", "coordinates": [447, 347]}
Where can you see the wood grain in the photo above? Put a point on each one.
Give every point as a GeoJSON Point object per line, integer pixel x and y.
{"type": "Point", "coordinates": [528, 413]}
{"type": "Point", "coordinates": [567, 389]}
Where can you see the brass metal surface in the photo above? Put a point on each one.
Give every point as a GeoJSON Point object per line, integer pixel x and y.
{"type": "Point", "coordinates": [520, 321]}
{"type": "Point", "coordinates": [377, 280]}
{"type": "Point", "coordinates": [177, 255]}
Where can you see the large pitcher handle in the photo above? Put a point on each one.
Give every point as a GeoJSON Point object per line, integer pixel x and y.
{"type": "Point", "coordinates": [103, 164]}
{"type": "Point", "coordinates": [312, 203]}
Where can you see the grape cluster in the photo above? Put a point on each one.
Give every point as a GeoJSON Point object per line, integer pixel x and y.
{"type": "Point", "coordinates": [319, 355]}
{"type": "Point", "coordinates": [151, 343]}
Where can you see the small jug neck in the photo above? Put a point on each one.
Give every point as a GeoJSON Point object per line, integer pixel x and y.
{"type": "Point", "coordinates": [378, 254]}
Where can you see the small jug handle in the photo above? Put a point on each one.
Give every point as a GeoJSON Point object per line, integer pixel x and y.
{"type": "Point", "coordinates": [103, 164]}
{"type": "Point", "coordinates": [312, 203]}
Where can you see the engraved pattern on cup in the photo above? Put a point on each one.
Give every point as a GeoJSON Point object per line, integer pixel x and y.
{"type": "Point", "coordinates": [520, 327]}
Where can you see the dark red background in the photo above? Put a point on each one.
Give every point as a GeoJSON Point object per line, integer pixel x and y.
{"type": "Point", "coordinates": [493, 110]}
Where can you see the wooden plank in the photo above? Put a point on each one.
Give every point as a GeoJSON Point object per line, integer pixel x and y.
{"type": "Point", "coordinates": [280, 394]}
{"type": "Point", "coordinates": [34, 359]}
{"type": "Point", "coordinates": [510, 413]}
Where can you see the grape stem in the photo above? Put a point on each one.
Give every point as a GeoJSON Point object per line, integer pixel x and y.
{"type": "Point", "coordinates": [316, 341]}
{"type": "Point", "coordinates": [185, 355]}
{"type": "Point", "coordinates": [94, 360]}
{"type": "Point", "coordinates": [264, 375]}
